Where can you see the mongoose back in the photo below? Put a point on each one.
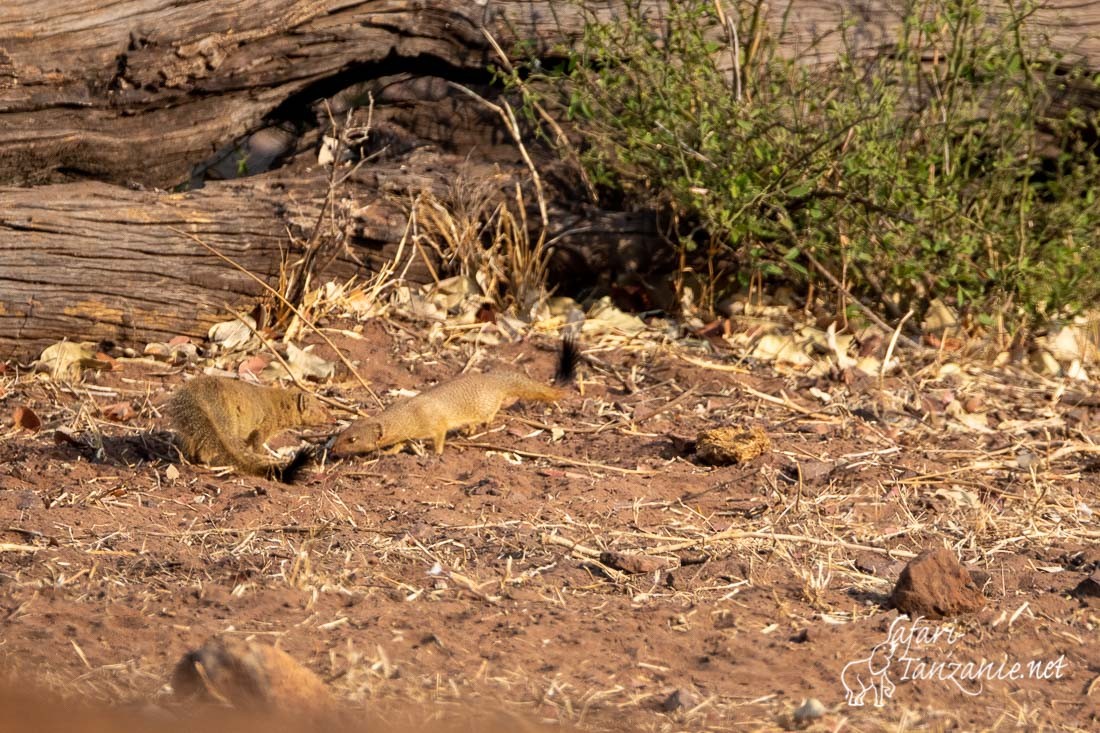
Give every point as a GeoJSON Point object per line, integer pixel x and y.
{"type": "Point", "coordinates": [470, 399]}
{"type": "Point", "coordinates": [223, 421]}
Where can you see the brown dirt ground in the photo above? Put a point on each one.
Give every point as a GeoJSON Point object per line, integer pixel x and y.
{"type": "Point", "coordinates": [417, 578]}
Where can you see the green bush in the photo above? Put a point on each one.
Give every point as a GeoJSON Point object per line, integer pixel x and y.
{"type": "Point", "coordinates": [945, 167]}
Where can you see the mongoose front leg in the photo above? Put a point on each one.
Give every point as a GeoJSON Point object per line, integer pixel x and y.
{"type": "Point", "coordinates": [438, 440]}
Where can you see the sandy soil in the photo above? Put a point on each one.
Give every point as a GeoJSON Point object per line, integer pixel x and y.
{"type": "Point", "coordinates": [477, 575]}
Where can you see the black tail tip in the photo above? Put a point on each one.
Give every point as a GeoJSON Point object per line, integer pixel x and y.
{"type": "Point", "coordinates": [570, 357]}
{"type": "Point", "coordinates": [289, 473]}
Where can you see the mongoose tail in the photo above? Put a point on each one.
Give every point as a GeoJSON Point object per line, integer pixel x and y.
{"type": "Point", "coordinates": [289, 472]}
{"type": "Point", "coordinates": [469, 399]}
{"type": "Point", "coordinates": [568, 359]}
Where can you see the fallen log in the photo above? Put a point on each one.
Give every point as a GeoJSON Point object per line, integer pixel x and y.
{"type": "Point", "coordinates": [148, 93]}
{"type": "Point", "coordinates": [92, 262]}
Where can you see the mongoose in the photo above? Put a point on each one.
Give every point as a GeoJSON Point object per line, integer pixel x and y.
{"type": "Point", "coordinates": [223, 421]}
{"type": "Point", "coordinates": [470, 399]}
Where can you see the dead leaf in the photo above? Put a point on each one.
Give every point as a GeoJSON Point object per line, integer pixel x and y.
{"type": "Point", "coordinates": [839, 345]}
{"type": "Point", "coordinates": [25, 419]}
{"type": "Point", "coordinates": [604, 317]}
{"type": "Point", "coordinates": [171, 473]}
{"type": "Point", "coordinates": [958, 497]}
{"type": "Point", "coordinates": [451, 293]}
{"type": "Point", "coordinates": [485, 314]}
{"type": "Point", "coordinates": [253, 366]}
{"type": "Point", "coordinates": [1071, 343]}
{"type": "Point", "coordinates": [782, 348]}
{"type": "Point", "coordinates": [232, 334]}
{"type": "Point", "coordinates": [303, 365]}
{"type": "Point", "coordinates": [67, 360]}
{"type": "Point", "coordinates": [939, 318]}
{"type": "Point", "coordinates": [977, 422]}
{"type": "Point", "coordinates": [119, 412]}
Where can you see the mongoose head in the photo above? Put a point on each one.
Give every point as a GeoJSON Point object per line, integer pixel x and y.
{"type": "Point", "coordinates": [360, 437]}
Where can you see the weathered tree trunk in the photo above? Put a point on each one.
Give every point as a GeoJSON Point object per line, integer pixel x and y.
{"type": "Point", "coordinates": [98, 262]}
{"type": "Point", "coordinates": [147, 92]}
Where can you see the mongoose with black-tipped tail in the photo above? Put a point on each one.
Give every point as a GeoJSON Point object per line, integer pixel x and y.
{"type": "Point", "coordinates": [470, 399]}
{"type": "Point", "coordinates": [222, 421]}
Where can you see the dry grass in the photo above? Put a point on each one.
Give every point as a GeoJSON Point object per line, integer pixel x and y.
{"type": "Point", "coordinates": [804, 540]}
{"type": "Point", "coordinates": [482, 236]}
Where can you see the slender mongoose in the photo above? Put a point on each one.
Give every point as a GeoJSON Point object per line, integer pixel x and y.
{"type": "Point", "coordinates": [470, 399]}
{"type": "Point", "coordinates": [223, 421]}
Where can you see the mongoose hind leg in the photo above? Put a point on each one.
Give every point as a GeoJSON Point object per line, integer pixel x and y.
{"type": "Point", "coordinates": [438, 440]}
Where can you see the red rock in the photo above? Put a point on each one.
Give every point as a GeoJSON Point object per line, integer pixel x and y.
{"type": "Point", "coordinates": [934, 585]}
{"type": "Point", "coordinates": [249, 676]}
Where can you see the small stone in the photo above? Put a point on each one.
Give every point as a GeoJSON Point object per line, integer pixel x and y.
{"type": "Point", "coordinates": [810, 709]}
{"type": "Point", "coordinates": [64, 435]}
{"type": "Point", "coordinates": [934, 585]}
{"type": "Point", "coordinates": [814, 472]}
{"type": "Point", "coordinates": [25, 418]}
{"type": "Point", "coordinates": [1089, 587]}
{"type": "Point", "coordinates": [980, 577]}
{"type": "Point", "coordinates": [801, 638]}
{"type": "Point", "coordinates": [680, 699]}
{"type": "Point", "coordinates": [119, 412]}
